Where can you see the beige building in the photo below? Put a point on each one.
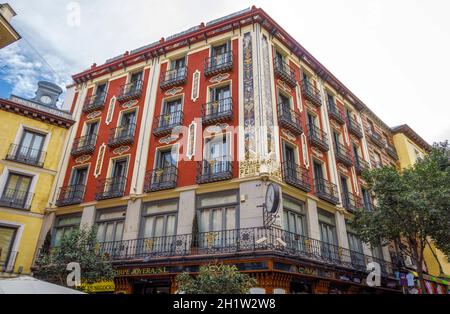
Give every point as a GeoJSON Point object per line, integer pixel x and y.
{"type": "Point", "coordinates": [8, 34]}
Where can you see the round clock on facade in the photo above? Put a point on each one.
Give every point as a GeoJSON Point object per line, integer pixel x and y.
{"type": "Point", "coordinates": [46, 99]}
{"type": "Point", "coordinates": [272, 198]}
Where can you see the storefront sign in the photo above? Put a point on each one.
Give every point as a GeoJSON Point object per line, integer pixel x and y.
{"type": "Point", "coordinates": [96, 287]}
{"type": "Point", "coordinates": [140, 271]}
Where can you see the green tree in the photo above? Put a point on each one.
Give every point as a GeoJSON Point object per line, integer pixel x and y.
{"type": "Point", "coordinates": [216, 278]}
{"type": "Point", "coordinates": [412, 205]}
{"type": "Point", "coordinates": [79, 246]}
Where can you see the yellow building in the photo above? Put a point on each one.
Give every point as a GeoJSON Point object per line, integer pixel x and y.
{"type": "Point", "coordinates": [410, 146]}
{"type": "Point", "coordinates": [33, 133]}
{"type": "Point", "coordinates": [8, 34]}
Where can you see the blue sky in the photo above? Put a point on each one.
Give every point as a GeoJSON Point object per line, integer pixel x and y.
{"type": "Point", "coordinates": [392, 54]}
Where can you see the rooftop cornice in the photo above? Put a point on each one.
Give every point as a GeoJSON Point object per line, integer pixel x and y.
{"type": "Point", "coordinates": [412, 135]}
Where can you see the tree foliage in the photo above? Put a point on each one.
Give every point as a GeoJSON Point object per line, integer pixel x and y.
{"type": "Point", "coordinates": [412, 205]}
{"type": "Point", "coordinates": [216, 278]}
{"type": "Point", "coordinates": [79, 246]}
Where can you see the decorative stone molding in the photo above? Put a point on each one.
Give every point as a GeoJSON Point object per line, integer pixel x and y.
{"type": "Point", "coordinates": [305, 150]}
{"type": "Point", "coordinates": [288, 135]}
{"type": "Point", "coordinates": [99, 162]}
{"type": "Point", "coordinates": [342, 168]}
{"type": "Point", "coordinates": [195, 85]}
{"type": "Point", "coordinates": [109, 116]}
{"type": "Point", "coordinates": [191, 140]}
{"type": "Point", "coordinates": [129, 104]}
{"type": "Point", "coordinates": [217, 128]}
{"type": "Point", "coordinates": [174, 91]}
{"type": "Point", "coordinates": [121, 150]}
{"type": "Point", "coordinates": [169, 139]}
{"type": "Point", "coordinates": [317, 152]}
{"type": "Point", "coordinates": [94, 115]}
{"type": "Point", "coordinates": [82, 159]}
{"type": "Point", "coordinates": [219, 77]}
{"type": "Point", "coordinates": [284, 86]}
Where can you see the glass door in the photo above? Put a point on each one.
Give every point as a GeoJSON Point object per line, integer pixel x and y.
{"type": "Point", "coordinates": [171, 113]}
{"type": "Point", "coordinates": [118, 176]}
{"type": "Point", "coordinates": [219, 55]}
{"type": "Point", "coordinates": [77, 183]}
{"type": "Point", "coordinates": [356, 251]}
{"type": "Point", "coordinates": [7, 236]}
{"type": "Point", "coordinates": [220, 101]}
{"type": "Point", "coordinates": [179, 68]}
{"type": "Point", "coordinates": [30, 147]}
{"type": "Point", "coordinates": [216, 153]}
{"type": "Point", "coordinates": [127, 124]}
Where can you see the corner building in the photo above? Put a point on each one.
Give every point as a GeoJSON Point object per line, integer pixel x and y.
{"type": "Point", "coordinates": [177, 142]}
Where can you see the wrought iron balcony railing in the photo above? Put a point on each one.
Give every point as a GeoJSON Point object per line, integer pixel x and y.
{"type": "Point", "coordinates": [70, 195]}
{"type": "Point", "coordinates": [84, 145]}
{"type": "Point", "coordinates": [213, 170]}
{"type": "Point", "coordinates": [161, 179]}
{"type": "Point", "coordinates": [121, 135]}
{"type": "Point", "coordinates": [296, 175]}
{"type": "Point", "coordinates": [219, 64]}
{"type": "Point", "coordinates": [311, 93]}
{"type": "Point", "coordinates": [318, 138]}
{"type": "Point", "coordinates": [351, 202]}
{"type": "Point", "coordinates": [326, 190]}
{"type": "Point", "coordinates": [335, 113]}
{"type": "Point", "coordinates": [164, 124]}
{"type": "Point", "coordinates": [360, 165]}
{"type": "Point", "coordinates": [175, 77]}
{"type": "Point", "coordinates": [354, 127]}
{"type": "Point", "coordinates": [391, 151]}
{"type": "Point", "coordinates": [26, 155]}
{"type": "Point", "coordinates": [110, 188]}
{"type": "Point", "coordinates": [343, 154]}
{"type": "Point", "coordinates": [130, 91]}
{"type": "Point", "coordinates": [289, 119]}
{"type": "Point", "coordinates": [217, 111]}
{"type": "Point", "coordinates": [376, 138]}
{"type": "Point", "coordinates": [17, 199]}
{"type": "Point", "coordinates": [284, 71]}
{"type": "Point", "coordinates": [94, 102]}
{"type": "Point", "coordinates": [251, 241]}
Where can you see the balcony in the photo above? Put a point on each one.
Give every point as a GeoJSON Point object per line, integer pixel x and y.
{"type": "Point", "coordinates": [335, 113]}
{"type": "Point", "coordinates": [245, 241]}
{"type": "Point", "coordinates": [354, 127]}
{"type": "Point", "coordinates": [26, 155]}
{"type": "Point", "coordinates": [84, 145]}
{"type": "Point", "coordinates": [172, 78]}
{"type": "Point", "coordinates": [130, 91]}
{"type": "Point", "coordinates": [70, 195]}
{"type": "Point", "coordinates": [110, 188]}
{"type": "Point", "coordinates": [284, 71]}
{"type": "Point", "coordinates": [326, 191]}
{"type": "Point", "coordinates": [318, 138]}
{"type": "Point", "coordinates": [161, 179]}
{"type": "Point", "coordinates": [94, 102]}
{"type": "Point", "coordinates": [343, 154]}
{"type": "Point", "coordinates": [391, 151]}
{"type": "Point", "coordinates": [289, 119]}
{"type": "Point", "coordinates": [217, 111]}
{"type": "Point", "coordinates": [164, 124]}
{"type": "Point", "coordinates": [351, 202]}
{"type": "Point", "coordinates": [121, 135]}
{"type": "Point", "coordinates": [213, 170]}
{"type": "Point", "coordinates": [219, 64]}
{"type": "Point", "coordinates": [376, 138]}
{"type": "Point", "coordinates": [296, 176]}
{"type": "Point", "coordinates": [17, 199]}
{"type": "Point", "coordinates": [360, 165]}
{"type": "Point", "coordinates": [311, 93]}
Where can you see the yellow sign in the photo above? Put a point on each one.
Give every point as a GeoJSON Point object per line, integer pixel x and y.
{"type": "Point", "coordinates": [101, 286]}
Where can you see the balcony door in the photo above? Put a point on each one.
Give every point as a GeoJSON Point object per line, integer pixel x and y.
{"type": "Point", "coordinates": [345, 191]}
{"type": "Point", "coordinates": [118, 179]}
{"type": "Point", "coordinates": [285, 104]}
{"type": "Point", "coordinates": [127, 123]}
{"type": "Point", "coordinates": [16, 190]}
{"type": "Point", "coordinates": [100, 93]}
{"type": "Point", "coordinates": [337, 142]}
{"type": "Point", "coordinates": [219, 54]}
{"type": "Point", "coordinates": [135, 79]}
{"type": "Point", "coordinates": [90, 135]}
{"type": "Point", "coordinates": [356, 153]}
{"type": "Point", "coordinates": [7, 236]}
{"type": "Point", "coordinates": [110, 224]}
{"type": "Point", "coordinates": [220, 100]}
{"type": "Point", "coordinates": [30, 147]}
{"type": "Point", "coordinates": [178, 68]}
{"type": "Point", "coordinates": [290, 161]}
{"type": "Point", "coordinates": [216, 155]}
{"type": "Point", "coordinates": [171, 113]}
{"type": "Point", "coordinates": [328, 236]}
{"type": "Point", "coordinates": [356, 250]}
{"type": "Point", "coordinates": [294, 220]}
{"type": "Point", "coordinates": [164, 167]}
{"type": "Point", "coordinates": [318, 175]}
{"type": "Point", "coordinates": [77, 184]}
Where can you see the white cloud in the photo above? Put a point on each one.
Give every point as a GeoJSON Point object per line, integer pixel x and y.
{"type": "Point", "coordinates": [391, 54]}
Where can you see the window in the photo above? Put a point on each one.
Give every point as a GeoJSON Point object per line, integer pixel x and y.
{"type": "Point", "coordinates": [30, 147]}
{"type": "Point", "coordinates": [366, 199]}
{"type": "Point", "coordinates": [16, 191]}
{"type": "Point", "coordinates": [377, 159]}
{"type": "Point", "coordinates": [345, 190]}
{"type": "Point", "coordinates": [328, 235]}
{"type": "Point", "coordinates": [217, 154]}
{"type": "Point", "coordinates": [318, 171]}
{"type": "Point", "coordinates": [355, 152]}
{"type": "Point", "coordinates": [78, 176]}
{"type": "Point", "coordinates": [110, 224]}
{"type": "Point", "coordinates": [218, 215]}
{"type": "Point", "coordinates": [312, 120]}
{"type": "Point", "coordinates": [330, 99]}
{"type": "Point", "coordinates": [171, 112]}
{"type": "Point", "coordinates": [337, 141]}
{"type": "Point", "coordinates": [101, 89]}
{"type": "Point", "coordinates": [219, 54]}
{"type": "Point", "coordinates": [159, 223]}
{"type": "Point", "coordinates": [7, 236]}
{"type": "Point", "coordinates": [127, 125]}
{"type": "Point", "coordinates": [136, 77]}
{"type": "Point", "coordinates": [178, 68]}
{"type": "Point", "coordinates": [90, 134]}
{"type": "Point", "coordinates": [294, 216]}
{"type": "Point", "coordinates": [289, 155]}
{"type": "Point", "coordinates": [220, 101]}
{"type": "Point", "coordinates": [64, 226]}
{"type": "Point", "coordinates": [355, 246]}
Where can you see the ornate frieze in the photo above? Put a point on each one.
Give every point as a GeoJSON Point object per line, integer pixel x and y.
{"type": "Point", "coordinates": [129, 104]}
{"type": "Point", "coordinates": [121, 150]}
{"type": "Point", "coordinates": [195, 85]}
{"type": "Point", "coordinates": [191, 140]}
{"type": "Point", "coordinates": [249, 102]}
{"type": "Point", "coordinates": [109, 116]}
{"type": "Point", "coordinates": [219, 78]}
{"type": "Point", "coordinates": [284, 86]}
{"type": "Point", "coordinates": [288, 134]}
{"type": "Point", "coordinates": [94, 115]}
{"type": "Point", "coordinates": [169, 139]}
{"type": "Point", "coordinates": [317, 152]}
{"type": "Point", "coordinates": [267, 87]}
{"type": "Point", "coordinates": [99, 162]}
{"type": "Point", "coordinates": [82, 159]}
{"type": "Point", "coordinates": [174, 91]}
